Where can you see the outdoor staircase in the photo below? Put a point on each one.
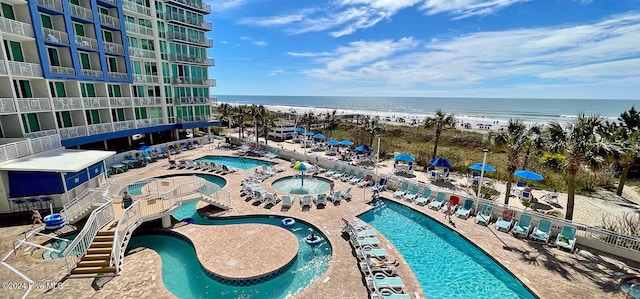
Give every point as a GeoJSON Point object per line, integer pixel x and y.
{"type": "Point", "coordinates": [97, 260]}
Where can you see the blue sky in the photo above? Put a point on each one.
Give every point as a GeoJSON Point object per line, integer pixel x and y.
{"type": "Point", "coordinates": [448, 48]}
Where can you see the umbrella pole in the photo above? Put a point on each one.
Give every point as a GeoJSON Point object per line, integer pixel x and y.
{"type": "Point", "coordinates": [484, 163]}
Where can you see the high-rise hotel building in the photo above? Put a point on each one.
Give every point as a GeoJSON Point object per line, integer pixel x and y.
{"type": "Point", "coordinates": [99, 71]}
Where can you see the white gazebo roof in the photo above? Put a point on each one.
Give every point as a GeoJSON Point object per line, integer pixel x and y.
{"type": "Point", "coordinates": [57, 160]}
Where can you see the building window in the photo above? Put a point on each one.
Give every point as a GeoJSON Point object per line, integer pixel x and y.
{"type": "Point", "coordinates": [54, 59]}
{"type": "Point", "coordinates": [57, 89]}
{"type": "Point", "coordinates": [141, 113]}
{"type": "Point", "coordinates": [84, 61]}
{"type": "Point", "coordinates": [118, 114]}
{"type": "Point", "coordinates": [79, 29]}
{"type": "Point", "coordinates": [46, 21]}
{"type": "Point", "coordinates": [93, 116]}
{"type": "Point", "coordinates": [7, 11]}
{"type": "Point", "coordinates": [23, 88]}
{"type": "Point", "coordinates": [30, 122]}
{"type": "Point", "coordinates": [113, 64]}
{"type": "Point", "coordinates": [88, 89]}
{"type": "Point", "coordinates": [14, 50]}
{"type": "Point", "coordinates": [64, 119]}
{"type": "Point", "coordinates": [108, 36]}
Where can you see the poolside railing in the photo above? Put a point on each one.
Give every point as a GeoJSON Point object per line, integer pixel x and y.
{"type": "Point", "coordinates": [81, 204]}
{"type": "Point", "coordinates": [149, 207]}
{"type": "Point", "coordinates": [598, 238]}
{"type": "Point", "coordinates": [96, 221]}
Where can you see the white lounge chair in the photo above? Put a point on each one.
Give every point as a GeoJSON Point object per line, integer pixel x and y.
{"type": "Point", "coordinates": [484, 216]}
{"type": "Point", "coordinates": [542, 231]}
{"type": "Point", "coordinates": [287, 201]}
{"type": "Point", "coordinates": [522, 226]}
{"type": "Point", "coordinates": [305, 201]}
{"type": "Point", "coordinates": [567, 238]}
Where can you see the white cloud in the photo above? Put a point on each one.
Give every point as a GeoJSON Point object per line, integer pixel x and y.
{"type": "Point", "coordinates": [223, 5]}
{"type": "Point", "coordinates": [602, 51]}
{"type": "Point", "coordinates": [344, 17]}
{"type": "Point", "coordinates": [253, 41]}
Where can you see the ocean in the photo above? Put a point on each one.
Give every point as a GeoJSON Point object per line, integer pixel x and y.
{"type": "Point", "coordinates": [474, 110]}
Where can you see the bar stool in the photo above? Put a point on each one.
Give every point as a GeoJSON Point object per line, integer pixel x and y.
{"type": "Point", "coordinates": [35, 201]}
{"type": "Point", "coordinates": [20, 204]}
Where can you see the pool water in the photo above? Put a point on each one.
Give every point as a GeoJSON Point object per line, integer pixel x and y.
{"type": "Point", "coordinates": [294, 185]}
{"type": "Point", "coordinates": [446, 264]}
{"type": "Point", "coordinates": [236, 162]}
{"type": "Point", "coordinates": [135, 189]}
{"type": "Point", "coordinates": [59, 245]}
{"type": "Point", "coordinates": [183, 276]}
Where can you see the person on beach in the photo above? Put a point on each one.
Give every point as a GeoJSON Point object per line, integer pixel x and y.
{"type": "Point", "coordinates": [36, 217]}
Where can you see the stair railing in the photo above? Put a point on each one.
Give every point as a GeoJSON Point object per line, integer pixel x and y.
{"type": "Point", "coordinates": [96, 221]}
{"type": "Point", "coordinates": [80, 203]}
{"type": "Point", "coordinates": [147, 208]}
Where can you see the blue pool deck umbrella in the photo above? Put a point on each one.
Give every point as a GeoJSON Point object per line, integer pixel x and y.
{"type": "Point", "coordinates": [440, 162]}
{"type": "Point", "coordinates": [319, 136]}
{"type": "Point", "coordinates": [364, 148]}
{"type": "Point", "coordinates": [404, 157]}
{"type": "Point", "coordinates": [333, 142]}
{"type": "Point", "coordinates": [478, 167]}
{"type": "Point", "coordinates": [529, 175]}
{"type": "Point", "coordinates": [302, 168]}
{"type": "Point", "coordinates": [299, 129]}
{"type": "Point", "coordinates": [308, 133]}
{"type": "Point", "coordinates": [346, 142]}
{"type": "Point", "coordinates": [145, 148]}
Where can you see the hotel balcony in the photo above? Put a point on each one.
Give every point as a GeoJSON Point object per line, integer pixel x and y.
{"type": "Point", "coordinates": [86, 42]}
{"type": "Point", "coordinates": [109, 21]}
{"type": "Point", "coordinates": [113, 48]}
{"type": "Point", "coordinates": [192, 22]}
{"type": "Point", "coordinates": [194, 81]}
{"type": "Point", "coordinates": [142, 53]}
{"type": "Point", "coordinates": [120, 102]}
{"type": "Point", "coordinates": [145, 79]}
{"type": "Point", "coordinates": [132, 6]}
{"type": "Point", "coordinates": [112, 2]}
{"type": "Point", "coordinates": [197, 5]}
{"type": "Point", "coordinates": [15, 27]}
{"type": "Point", "coordinates": [56, 36]}
{"type": "Point", "coordinates": [194, 101]}
{"type": "Point", "coordinates": [51, 4]}
{"type": "Point", "coordinates": [41, 134]}
{"type": "Point", "coordinates": [7, 106]}
{"type": "Point", "coordinates": [137, 29]}
{"type": "Point", "coordinates": [92, 73]}
{"type": "Point", "coordinates": [62, 70]}
{"type": "Point", "coordinates": [183, 37]}
{"type": "Point", "coordinates": [178, 57]}
{"type": "Point", "coordinates": [118, 75]}
{"type": "Point", "coordinates": [25, 69]}
{"type": "Point", "coordinates": [149, 122]}
{"type": "Point", "coordinates": [124, 125]}
{"type": "Point", "coordinates": [94, 103]}
{"type": "Point", "coordinates": [72, 132]}
{"type": "Point", "coordinates": [99, 128]}
{"type": "Point", "coordinates": [34, 104]}
{"type": "Point", "coordinates": [141, 102]}
{"type": "Point", "coordinates": [188, 119]}
{"type": "Point", "coordinates": [67, 103]}
{"type": "Point", "coordinates": [81, 12]}
{"type": "Point", "coordinates": [3, 69]}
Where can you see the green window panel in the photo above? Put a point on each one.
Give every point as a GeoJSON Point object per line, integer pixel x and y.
{"type": "Point", "coordinates": [118, 114]}
{"type": "Point", "coordinates": [64, 119]}
{"type": "Point", "coordinates": [137, 68]}
{"type": "Point", "coordinates": [84, 61]}
{"type": "Point", "coordinates": [60, 90]}
{"type": "Point", "coordinates": [79, 29]}
{"type": "Point", "coordinates": [54, 58]}
{"type": "Point", "coordinates": [30, 122]}
{"type": "Point", "coordinates": [93, 116]}
{"type": "Point", "coordinates": [76, 2]}
{"type": "Point", "coordinates": [7, 11]}
{"type": "Point", "coordinates": [141, 113]}
{"type": "Point", "coordinates": [23, 88]}
{"type": "Point", "coordinates": [108, 36]}
{"type": "Point", "coordinates": [115, 91]}
{"type": "Point", "coordinates": [14, 49]}
{"type": "Point", "coordinates": [155, 112]}
{"type": "Point", "coordinates": [104, 11]}
{"type": "Point", "coordinates": [113, 64]}
{"type": "Point", "coordinates": [88, 89]}
{"type": "Point", "coordinates": [46, 21]}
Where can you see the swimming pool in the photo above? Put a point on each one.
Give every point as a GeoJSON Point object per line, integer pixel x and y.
{"type": "Point", "coordinates": [183, 276]}
{"type": "Point", "coordinates": [293, 185]}
{"type": "Point", "coordinates": [445, 264]}
{"type": "Point", "coordinates": [136, 188]}
{"type": "Point", "coordinates": [59, 245]}
{"type": "Point", "coordinates": [236, 162]}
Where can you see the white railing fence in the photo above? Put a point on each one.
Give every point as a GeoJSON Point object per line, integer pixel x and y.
{"type": "Point", "coordinates": [149, 207]}
{"type": "Point", "coordinates": [96, 221]}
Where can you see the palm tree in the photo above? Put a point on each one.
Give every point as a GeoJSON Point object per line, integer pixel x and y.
{"type": "Point", "coordinates": [512, 140]}
{"type": "Point", "coordinates": [256, 113]}
{"type": "Point", "coordinates": [439, 121]}
{"type": "Point", "coordinates": [332, 120]}
{"type": "Point", "coordinates": [238, 114]}
{"type": "Point", "coordinates": [309, 119]}
{"type": "Point", "coordinates": [372, 127]}
{"type": "Point", "coordinates": [225, 113]}
{"type": "Point", "coordinates": [627, 134]}
{"type": "Point", "coordinates": [267, 121]}
{"type": "Point", "coordinates": [577, 140]}
{"type": "Point", "coordinates": [533, 141]}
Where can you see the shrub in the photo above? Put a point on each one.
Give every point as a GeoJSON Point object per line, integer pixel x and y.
{"type": "Point", "coordinates": [555, 162]}
{"type": "Point", "coordinates": [627, 223]}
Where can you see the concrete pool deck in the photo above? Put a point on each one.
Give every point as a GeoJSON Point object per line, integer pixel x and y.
{"type": "Point", "coordinates": [549, 272]}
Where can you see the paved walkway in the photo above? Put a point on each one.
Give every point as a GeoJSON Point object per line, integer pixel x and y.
{"type": "Point", "coordinates": [549, 272]}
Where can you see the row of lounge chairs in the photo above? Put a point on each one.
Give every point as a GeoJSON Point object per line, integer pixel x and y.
{"type": "Point", "coordinates": [201, 165]}
{"type": "Point", "coordinates": [378, 271]}
{"type": "Point", "coordinates": [260, 150]}
{"type": "Point", "coordinates": [506, 221]}
{"type": "Point", "coordinates": [350, 176]}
